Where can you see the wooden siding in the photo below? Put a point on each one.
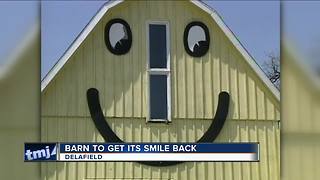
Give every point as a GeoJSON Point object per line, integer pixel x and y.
{"type": "Point", "coordinates": [195, 84]}
{"type": "Point", "coordinates": [81, 129]}
{"type": "Point", "coordinates": [19, 106]}
{"type": "Point", "coordinates": [122, 80]}
{"type": "Point", "coordinates": [300, 131]}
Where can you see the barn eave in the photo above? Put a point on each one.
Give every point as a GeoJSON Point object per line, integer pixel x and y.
{"type": "Point", "coordinates": [94, 21]}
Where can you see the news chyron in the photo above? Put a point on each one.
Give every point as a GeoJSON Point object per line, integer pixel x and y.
{"type": "Point", "coordinates": [40, 151]}
{"type": "Point", "coordinates": [180, 152]}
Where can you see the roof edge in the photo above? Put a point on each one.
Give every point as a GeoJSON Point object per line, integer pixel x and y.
{"type": "Point", "coordinates": [231, 36]}
{"type": "Point", "coordinates": [290, 49]}
{"type": "Point", "coordinates": [77, 42]}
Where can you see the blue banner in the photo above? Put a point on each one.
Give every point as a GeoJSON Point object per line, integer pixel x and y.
{"type": "Point", "coordinates": [159, 147]}
{"type": "Point", "coordinates": [141, 152]}
{"type": "Point", "coordinates": [40, 151]}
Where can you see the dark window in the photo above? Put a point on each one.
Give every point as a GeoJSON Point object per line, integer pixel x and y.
{"type": "Point", "coordinates": [158, 97]}
{"type": "Point", "coordinates": [159, 72]}
{"type": "Point", "coordinates": [118, 36]}
{"type": "Point", "coordinates": [158, 46]}
{"type": "Point", "coordinates": [196, 39]}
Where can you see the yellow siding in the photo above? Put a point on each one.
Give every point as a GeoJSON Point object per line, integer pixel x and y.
{"type": "Point", "coordinates": [196, 82]}
{"type": "Point", "coordinates": [301, 126]}
{"type": "Point", "coordinates": [19, 107]}
{"type": "Point", "coordinates": [80, 129]}
{"type": "Point", "coordinates": [195, 85]}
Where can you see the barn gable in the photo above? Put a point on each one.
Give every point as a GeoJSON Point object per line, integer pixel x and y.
{"type": "Point", "coordinates": [195, 85]}
{"type": "Point", "coordinates": [233, 69]}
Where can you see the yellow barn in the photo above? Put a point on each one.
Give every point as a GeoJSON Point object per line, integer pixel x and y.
{"type": "Point", "coordinates": [301, 112]}
{"type": "Point", "coordinates": [158, 68]}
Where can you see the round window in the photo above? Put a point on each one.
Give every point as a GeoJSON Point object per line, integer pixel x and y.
{"type": "Point", "coordinates": [118, 36]}
{"type": "Point", "coordinates": [196, 39]}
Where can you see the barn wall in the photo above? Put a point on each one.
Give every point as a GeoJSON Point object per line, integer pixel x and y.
{"type": "Point", "coordinates": [19, 107]}
{"type": "Point", "coordinates": [301, 127]}
{"type": "Point", "coordinates": [195, 85]}
{"type": "Point", "coordinates": [122, 80]}
{"type": "Point", "coordinates": [77, 129]}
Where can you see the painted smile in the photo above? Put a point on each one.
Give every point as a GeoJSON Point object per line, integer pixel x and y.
{"type": "Point", "coordinates": [109, 136]}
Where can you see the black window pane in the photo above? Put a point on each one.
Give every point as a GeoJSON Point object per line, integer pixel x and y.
{"type": "Point", "coordinates": [158, 96]}
{"type": "Point", "coordinates": [158, 46]}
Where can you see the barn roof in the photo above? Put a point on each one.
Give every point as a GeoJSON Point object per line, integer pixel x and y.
{"type": "Point", "coordinates": [94, 21]}
{"type": "Point", "coordinates": [292, 55]}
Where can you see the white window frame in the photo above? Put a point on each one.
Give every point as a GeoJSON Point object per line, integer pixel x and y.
{"type": "Point", "coordinates": [159, 71]}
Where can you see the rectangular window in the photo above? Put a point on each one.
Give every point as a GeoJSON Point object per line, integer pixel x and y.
{"type": "Point", "coordinates": [158, 71]}
{"type": "Point", "coordinates": [158, 97]}
{"type": "Point", "coordinates": [157, 46]}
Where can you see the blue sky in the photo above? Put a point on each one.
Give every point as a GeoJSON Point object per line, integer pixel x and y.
{"type": "Point", "coordinates": [16, 18]}
{"type": "Point", "coordinates": [61, 22]}
{"type": "Point", "coordinates": [256, 24]}
{"type": "Point", "coordinates": [301, 25]}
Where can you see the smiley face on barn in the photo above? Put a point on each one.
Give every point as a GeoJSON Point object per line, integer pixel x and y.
{"type": "Point", "coordinates": [118, 40]}
{"type": "Point", "coordinates": [158, 71]}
